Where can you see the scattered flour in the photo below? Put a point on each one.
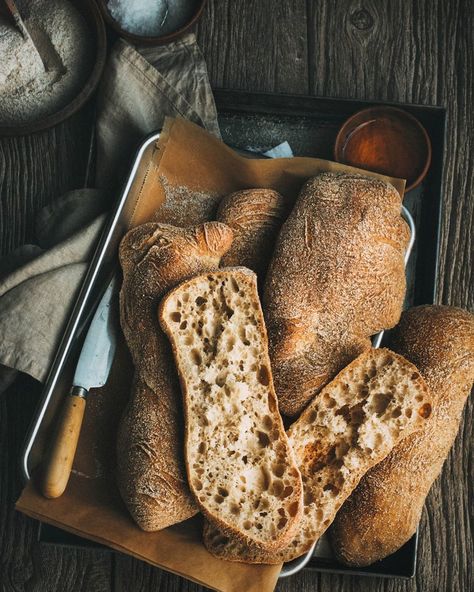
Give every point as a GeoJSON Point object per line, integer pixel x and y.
{"type": "Point", "coordinates": [183, 205]}
{"type": "Point", "coordinates": [151, 17]}
{"type": "Point", "coordinates": [28, 91]}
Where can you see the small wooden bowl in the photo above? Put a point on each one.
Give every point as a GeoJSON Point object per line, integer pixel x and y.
{"type": "Point", "coordinates": [147, 40]}
{"type": "Point", "coordinates": [385, 140]}
{"type": "Point", "coordinates": [91, 13]}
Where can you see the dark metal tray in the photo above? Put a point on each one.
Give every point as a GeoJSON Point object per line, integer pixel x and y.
{"type": "Point", "coordinates": [258, 122]}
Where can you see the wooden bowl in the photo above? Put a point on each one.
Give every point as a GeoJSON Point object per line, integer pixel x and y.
{"type": "Point", "coordinates": [385, 140]}
{"type": "Point", "coordinates": [150, 40]}
{"type": "Point", "coordinates": [91, 13]}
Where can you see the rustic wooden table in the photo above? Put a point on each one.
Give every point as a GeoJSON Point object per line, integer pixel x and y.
{"type": "Point", "coordinates": [415, 51]}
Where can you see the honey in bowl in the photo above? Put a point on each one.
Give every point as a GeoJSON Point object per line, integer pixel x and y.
{"type": "Point", "coordinates": [385, 140]}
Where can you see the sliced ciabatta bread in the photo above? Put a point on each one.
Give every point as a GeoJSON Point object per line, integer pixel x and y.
{"type": "Point", "coordinates": [383, 513]}
{"type": "Point", "coordinates": [350, 426]}
{"type": "Point", "coordinates": [240, 465]}
{"type": "Point", "coordinates": [151, 473]}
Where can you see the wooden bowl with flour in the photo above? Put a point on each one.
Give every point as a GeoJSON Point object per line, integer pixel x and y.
{"type": "Point", "coordinates": [45, 81]}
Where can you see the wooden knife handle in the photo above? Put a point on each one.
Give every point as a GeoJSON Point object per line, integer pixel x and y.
{"type": "Point", "coordinates": [61, 457]}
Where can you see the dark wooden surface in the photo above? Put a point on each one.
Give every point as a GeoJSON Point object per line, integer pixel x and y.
{"type": "Point", "coordinates": [417, 51]}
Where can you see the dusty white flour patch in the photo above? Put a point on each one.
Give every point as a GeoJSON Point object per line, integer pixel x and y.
{"type": "Point", "coordinates": [185, 207]}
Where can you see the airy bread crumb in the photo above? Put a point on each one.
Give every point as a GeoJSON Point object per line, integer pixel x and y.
{"type": "Point", "coordinates": [353, 424]}
{"type": "Point", "coordinates": [240, 465]}
{"type": "Point", "coordinates": [151, 475]}
{"type": "Point", "coordinates": [383, 513]}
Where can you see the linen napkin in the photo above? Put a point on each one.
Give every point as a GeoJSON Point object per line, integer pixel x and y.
{"type": "Point", "coordinates": [139, 90]}
{"type": "Point", "coordinates": [39, 282]}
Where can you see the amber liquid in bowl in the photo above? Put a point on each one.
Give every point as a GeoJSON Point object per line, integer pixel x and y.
{"type": "Point", "coordinates": [389, 144]}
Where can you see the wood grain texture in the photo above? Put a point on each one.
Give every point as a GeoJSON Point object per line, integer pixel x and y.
{"type": "Point", "coordinates": [36, 169]}
{"type": "Point", "coordinates": [133, 575]}
{"type": "Point", "coordinates": [413, 52]}
{"type": "Point", "coordinates": [26, 564]}
{"type": "Point", "coordinates": [419, 51]}
{"type": "Point", "coordinates": [63, 447]}
{"type": "Point", "coordinates": [424, 55]}
{"type": "Point", "coordinates": [256, 45]}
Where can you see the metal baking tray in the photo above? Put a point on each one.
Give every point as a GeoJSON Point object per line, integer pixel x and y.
{"type": "Point", "coordinates": [259, 121]}
{"type": "Point", "coordinates": [239, 113]}
{"type": "Point", "coordinates": [103, 264]}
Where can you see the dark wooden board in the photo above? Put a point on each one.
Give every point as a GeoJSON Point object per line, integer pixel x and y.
{"type": "Point", "coordinates": [258, 45]}
{"type": "Point", "coordinates": [26, 564]}
{"type": "Point", "coordinates": [418, 52]}
{"type": "Point", "coordinates": [37, 169]}
{"type": "Point", "coordinates": [414, 51]}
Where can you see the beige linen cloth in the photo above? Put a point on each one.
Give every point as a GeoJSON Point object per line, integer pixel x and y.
{"type": "Point", "coordinates": [39, 283]}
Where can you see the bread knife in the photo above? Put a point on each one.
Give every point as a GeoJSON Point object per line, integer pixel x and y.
{"type": "Point", "coordinates": [92, 371]}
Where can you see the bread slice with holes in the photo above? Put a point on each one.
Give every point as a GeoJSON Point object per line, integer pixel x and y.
{"type": "Point", "coordinates": [151, 473]}
{"type": "Point", "coordinates": [352, 425]}
{"type": "Point", "coordinates": [240, 465]}
{"type": "Point", "coordinates": [383, 513]}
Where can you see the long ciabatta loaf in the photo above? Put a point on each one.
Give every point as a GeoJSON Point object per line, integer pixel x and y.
{"type": "Point", "coordinates": [353, 424]}
{"type": "Point", "coordinates": [150, 466]}
{"type": "Point", "coordinates": [240, 465]}
{"type": "Point", "coordinates": [255, 216]}
{"type": "Point", "coordinates": [336, 278]}
{"type": "Point", "coordinates": [383, 512]}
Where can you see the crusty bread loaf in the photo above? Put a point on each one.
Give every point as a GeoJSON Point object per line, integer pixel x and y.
{"type": "Point", "coordinates": [385, 509]}
{"type": "Point", "coordinates": [336, 278]}
{"type": "Point", "coordinates": [352, 425]}
{"type": "Point", "coordinates": [240, 465]}
{"type": "Point", "coordinates": [255, 216]}
{"type": "Point", "coordinates": [151, 474]}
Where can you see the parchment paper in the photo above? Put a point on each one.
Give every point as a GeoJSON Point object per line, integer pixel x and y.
{"type": "Point", "coordinates": [189, 170]}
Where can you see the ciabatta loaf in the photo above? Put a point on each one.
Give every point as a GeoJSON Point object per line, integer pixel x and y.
{"type": "Point", "coordinates": [255, 216]}
{"type": "Point", "coordinates": [353, 424]}
{"type": "Point", "coordinates": [384, 511]}
{"type": "Point", "coordinates": [337, 277]}
{"type": "Point", "coordinates": [151, 474]}
{"type": "Point", "coordinates": [241, 468]}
